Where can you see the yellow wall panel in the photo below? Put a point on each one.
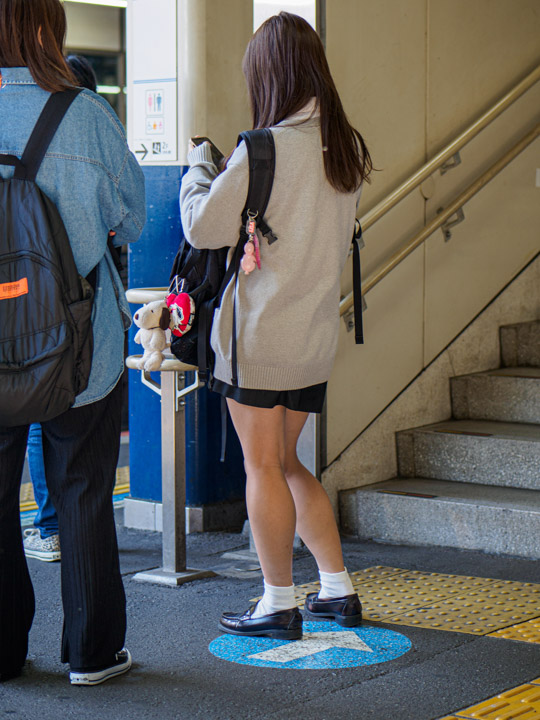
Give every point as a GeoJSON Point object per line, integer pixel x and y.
{"type": "Point", "coordinates": [500, 234]}
{"type": "Point", "coordinates": [367, 377]}
{"type": "Point", "coordinates": [412, 76]}
{"type": "Point", "coordinates": [476, 50]}
{"type": "Point", "coordinates": [93, 27]}
{"type": "Point", "coordinates": [376, 52]}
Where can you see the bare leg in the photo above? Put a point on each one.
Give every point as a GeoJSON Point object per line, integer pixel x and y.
{"type": "Point", "coordinates": [270, 503]}
{"type": "Point", "coordinates": [315, 520]}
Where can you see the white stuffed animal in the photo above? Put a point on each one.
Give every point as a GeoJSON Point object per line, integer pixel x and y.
{"type": "Point", "coordinates": [153, 320]}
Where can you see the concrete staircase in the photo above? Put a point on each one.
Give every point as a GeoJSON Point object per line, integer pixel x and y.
{"type": "Point", "coordinates": [473, 481]}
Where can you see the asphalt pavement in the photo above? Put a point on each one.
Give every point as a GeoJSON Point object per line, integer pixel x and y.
{"type": "Point", "coordinates": [176, 676]}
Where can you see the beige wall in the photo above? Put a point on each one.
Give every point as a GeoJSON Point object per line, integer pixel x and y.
{"type": "Point", "coordinates": [475, 50]}
{"type": "Point", "coordinates": [227, 101]}
{"type": "Point", "coordinates": [212, 78]}
{"type": "Point", "coordinates": [93, 27]}
{"type": "Point", "coordinates": [412, 75]}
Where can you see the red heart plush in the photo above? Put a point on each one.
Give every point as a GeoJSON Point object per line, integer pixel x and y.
{"type": "Point", "coordinates": [182, 309]}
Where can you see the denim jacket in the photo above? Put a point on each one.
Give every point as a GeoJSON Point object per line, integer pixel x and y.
{"type": "Point", "coordinates": [97, 186]}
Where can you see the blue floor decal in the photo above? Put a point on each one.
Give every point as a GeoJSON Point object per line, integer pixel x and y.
{"type": "Point", "coordinates": [325, 645]}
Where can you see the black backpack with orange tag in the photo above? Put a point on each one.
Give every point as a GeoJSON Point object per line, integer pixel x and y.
{"type": "Point", "coordinates": [46, 338]}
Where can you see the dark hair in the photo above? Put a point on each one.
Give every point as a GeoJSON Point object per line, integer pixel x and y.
{"type": "Point", "coordinates": [32, 33]}
{"type": "Point", "coordinates": [83, 71]}
{"type": "Point", "coordinates": [285, 66]}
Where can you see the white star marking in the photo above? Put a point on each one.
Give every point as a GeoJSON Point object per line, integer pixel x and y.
{"type": "Point", "coordinates": [311, 643]}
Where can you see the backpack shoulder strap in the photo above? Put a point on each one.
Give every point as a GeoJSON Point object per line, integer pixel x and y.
{"type": "Point", "coordinates": [262, 165]}
{"type": "Point", "coordinates": [357, 243]}
{"type": "Point", "coordinates": [12, 160]}
{"type": "Point", "coordinates": [51, 116]}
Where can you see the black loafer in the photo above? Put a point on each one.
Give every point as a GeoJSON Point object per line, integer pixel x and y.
{"type": "Point", "coordinates": [282, 625]}
{"type": "Point", "coordinates": [347, 610]}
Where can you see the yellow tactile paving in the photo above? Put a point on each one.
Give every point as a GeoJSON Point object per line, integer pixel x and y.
{"type": "Point", "coordinates": [27, 502]}
{"type": "Point", "coordinates": [459, 616]}
{"type": "Point", "coordinates": [27, 493]}
{"type": "Point", "coordinates": [519, 703]}
{"type": "Point", "coordinates": [122, 480]}
{"type": "Point", "coordinates": [528, 631]}
{"type": "Point", "coordinates": [451, 584]}
{"type": "Point", "coordinates": [377, 572]}
{"type": "Point", "coordinates": [480, 611]}
{"type": "Point", "coordinates": [405, 593]}
{"type": "Point", "coordinates": [455, 603]}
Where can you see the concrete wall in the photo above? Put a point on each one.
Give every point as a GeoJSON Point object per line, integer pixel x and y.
{"type": "Point", "coordinates": [412, 75]}
{"type": "Point", "coordinates": [210, 78]}
{"type": "Point", "coordinates": [94, 27]}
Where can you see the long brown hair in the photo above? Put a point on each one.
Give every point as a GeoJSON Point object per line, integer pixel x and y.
{"type": "Point", "coordinates": [285, 66]}
{"type": "Point", "coordinates": [32, 34]}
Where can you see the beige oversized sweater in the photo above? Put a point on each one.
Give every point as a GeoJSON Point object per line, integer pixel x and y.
{"type": "Point", "coordinates": [287, 312]}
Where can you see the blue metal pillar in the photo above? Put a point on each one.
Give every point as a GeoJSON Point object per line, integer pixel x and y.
{"type": "Point", "coordinates": [208, 481]}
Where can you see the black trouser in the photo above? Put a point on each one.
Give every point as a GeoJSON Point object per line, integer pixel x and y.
{"type": "Point", "coordinates": [80, 449]}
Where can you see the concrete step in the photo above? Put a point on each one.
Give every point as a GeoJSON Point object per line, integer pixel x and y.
{"type": "Point", "coordinates": [421, 511]}
{"type": "Point", "coordinates": [520, 344]}
{"type": "Point", "coordinates": [472, 451]}
{"type": "Point", "coordinates": [506, 395]}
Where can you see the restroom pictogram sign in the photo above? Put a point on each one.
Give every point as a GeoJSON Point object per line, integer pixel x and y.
{"type": "Point", "coordinates": [154, 102]}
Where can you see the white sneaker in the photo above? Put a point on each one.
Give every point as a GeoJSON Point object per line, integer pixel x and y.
{"type": "Point", "coordinates": [47, 549]}
{"type": "Point", "coordinates": [121, 666]}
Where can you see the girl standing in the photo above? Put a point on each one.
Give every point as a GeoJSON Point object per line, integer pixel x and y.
{"type": "Point", "coordinates": [287, 311]}
{"type": "Point", "coordinates": [97, 186]}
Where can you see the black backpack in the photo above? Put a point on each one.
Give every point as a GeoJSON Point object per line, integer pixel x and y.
{"type": "Point", "coordinates": [46, 338]}
{"type": "Point", "coordinates": [203, 273]}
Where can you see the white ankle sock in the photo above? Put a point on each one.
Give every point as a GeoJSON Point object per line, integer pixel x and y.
{"type": "Point", "coordinates": [335, 585]}
{"type": "Point", "coordinates": [275, 599]}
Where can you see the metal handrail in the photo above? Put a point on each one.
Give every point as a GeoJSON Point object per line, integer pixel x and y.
{"type": "Point", "coordinates": [450, 150]}
{"type": "Point", "coordinates": [442, 217]}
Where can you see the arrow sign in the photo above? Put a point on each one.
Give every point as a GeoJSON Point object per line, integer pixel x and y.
{"type": "Point", "coordinates": [144, 151]}
{"type": "Point", "coordinates": [322, 647]}
{"type": "Point", "coordinates": [311, 643]}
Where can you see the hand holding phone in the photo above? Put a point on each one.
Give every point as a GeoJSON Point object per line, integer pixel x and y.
{"type": "Point", "coordinates": [217, 155]}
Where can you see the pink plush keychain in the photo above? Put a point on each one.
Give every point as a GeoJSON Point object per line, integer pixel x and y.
{"type": "Point", "coordinates": [252, 250]}
{"type": "Point", "coordinates": [248, 262]}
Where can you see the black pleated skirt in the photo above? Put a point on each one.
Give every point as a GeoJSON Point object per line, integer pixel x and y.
{"type": "Point", "coordinates": [309, 399]}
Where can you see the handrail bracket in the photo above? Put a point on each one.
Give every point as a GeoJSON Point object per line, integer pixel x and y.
{"type": "Point", "coordinates": [458, 217]}
{"type": "Point", "coordinates": [348, 317]}
{"type": "Point", "coordinates": [451, 163]}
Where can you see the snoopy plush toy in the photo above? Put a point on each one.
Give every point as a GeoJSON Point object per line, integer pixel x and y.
{"type": "Point", "coordinates": [152, 320]}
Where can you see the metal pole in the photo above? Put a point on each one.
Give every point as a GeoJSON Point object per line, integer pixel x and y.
{"type": "Point", "coordinates": [173, 473]}
{"type": "Point", "coordinates": [173, 481]}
